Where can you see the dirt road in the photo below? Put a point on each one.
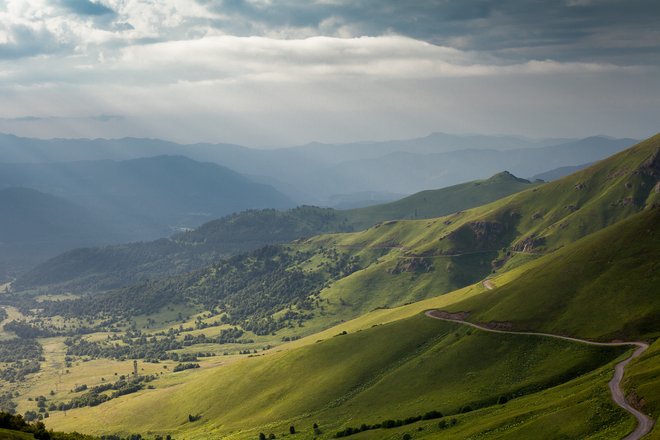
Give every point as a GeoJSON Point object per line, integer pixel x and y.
{"type": "Point", "coordinates": [644, 422]}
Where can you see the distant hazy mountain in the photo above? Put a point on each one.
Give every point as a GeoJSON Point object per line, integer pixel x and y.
{"type": "Point", "coordinates": [149, 197]}
{"type": "Point", "coordinates": [433, 143]}
{"type": "Point", "coordinates": [406, 172]}
{"type": "Point", "coordinates": [315, 172]}
{"type": "Point", "coordinates": [35, 226]}
{"type": "Point", "coordinates": [558, 173]}
{"type": "Point", "coordinates": [120, 265]}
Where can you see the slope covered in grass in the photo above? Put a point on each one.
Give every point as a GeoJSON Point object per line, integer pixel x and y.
{"type": "Point", "coordinates": [439, 202]}
{"type": "Point", "coordinates": [593, 236]}
{"type": "Point", "coordinates": [392, 371]}
{"type": "Point", "coordinates": [115, 266]}
{"type": "Point", "coordinates": [642, 384]}
{"type": "Point", "coordinates": [603, 286]}
{"type": "Point", "coordinates": [397, 262]}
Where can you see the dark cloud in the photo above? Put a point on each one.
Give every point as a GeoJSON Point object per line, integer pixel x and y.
{"type": "Point", "coordinates": [86, 7]}
{"type": "Point", "coordinates": [25, 41]}
{"type": "Point", "coordinates": [566, 30]}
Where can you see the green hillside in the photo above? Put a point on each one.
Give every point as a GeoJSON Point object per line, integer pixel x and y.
{"type": "Point", "coordinates": [603, 286]}
{"type": "Point", "coordinates": [341, 276]}
{"type": "Point", "coordinates": [414, 365]}
{"type": "Point", "coordinates": [578, 256]}
{"type": "Point", "coordinates": [35, 226]}
{"type": "Point", "coordinates": [436, 203]}
{"type": "Point", "coordinates": [115, 266]}
{"type": "Point", "coordinates": [394, 371]}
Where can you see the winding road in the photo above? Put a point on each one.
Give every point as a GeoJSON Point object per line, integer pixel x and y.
{"type": "Point", "coordinates": [644, 422]}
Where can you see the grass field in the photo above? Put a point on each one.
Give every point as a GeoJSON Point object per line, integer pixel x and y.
{"type": "Point", "coordinates": [579, 256]}
{"type": "Point", "coordinates": [603, 286]}
{"type": "Point", "coordinates": [347, 380]}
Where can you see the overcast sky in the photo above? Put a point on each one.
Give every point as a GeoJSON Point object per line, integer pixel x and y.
{"type": "Point", "coordinates": [278, 72]}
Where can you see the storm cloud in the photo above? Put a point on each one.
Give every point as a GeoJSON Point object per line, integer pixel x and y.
{"type": "Point", "coordinates": [268, 72]}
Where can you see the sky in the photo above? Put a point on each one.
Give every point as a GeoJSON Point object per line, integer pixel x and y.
{"type": "Point", "coordinates": [284, 72]}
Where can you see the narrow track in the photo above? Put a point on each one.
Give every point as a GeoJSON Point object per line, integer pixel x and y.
{"type": "Point", "coordinates": [644, 422]}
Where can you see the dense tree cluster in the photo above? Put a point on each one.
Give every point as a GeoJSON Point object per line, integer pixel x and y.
{"type": "Point", "coordinates": [100, 393]}
{"type": "Point", "coordinates": [249, 288]}
{"type": "Point", "coordinates": [185, 366]}
{"type": "Point", "coordinates": [21, 357]}
{"type": "Point", "coordinates": [16, 350]}
{"type": "Point", "coordinates": [7, 403]}
{"type": "Point", "coordinates": [390, 423]}
{"type": "Point", "coordinates": [138, 348]}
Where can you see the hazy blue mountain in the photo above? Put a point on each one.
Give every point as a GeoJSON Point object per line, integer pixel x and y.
{"type": "Point", "coordinates": [35, 226]}
{"type": "Point", "coordinates": [394, 172]}
{"type": "Point", "coordinates": [558, 173]}
{"type": "Point", "coordinates": [148, 197]}
{"type": "Point", "coordinates": [433, 143]}
{"type": "Point", "coordinates": [313, 173]}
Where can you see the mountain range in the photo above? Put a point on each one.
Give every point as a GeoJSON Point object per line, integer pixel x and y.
{"type": "Point", "coordinates": [574, 257]}
{"type": "Point", "coordinates": [315, 173]}
{"type": "Point", "coordinates": [494, 309]}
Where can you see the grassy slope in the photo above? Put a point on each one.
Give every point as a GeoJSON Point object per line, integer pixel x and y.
{"type": "Point", "coordinates": [7, 434]}
{"type": "Point", "coordinates": [603, 286]}
{"type": "Point", "coordinates": [258, 398]}
{"type": "Point", "coordinates": [439, 202]}
{"type": "Point", "coordinates": [391, 371]}
{"type": "Point", "coordinates": [460, 248]}
{"type": "Point", "coordinates": [643, 383]}
{"type": "Point", "coordinates": [113, 266]}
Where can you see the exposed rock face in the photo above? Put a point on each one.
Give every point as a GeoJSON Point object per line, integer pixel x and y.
{"type": "Point", "coordinates": [651, 166]}
{"type": "Point", "coordinates": [480, 235]}
{"type": "Point", "coordinates": [412, 265]}
{"type": "Point", "coordinates": [529, 244]}
{"type": "Point", "coordinates": [487, 232]}
{"type": "Point", "coordinates": [627, 201]}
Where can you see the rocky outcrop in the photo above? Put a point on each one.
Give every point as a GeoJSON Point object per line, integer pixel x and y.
{"type": "Point", "coordinates": [412, 265]}
{"type": "Point", "coordinates": [529, 244]}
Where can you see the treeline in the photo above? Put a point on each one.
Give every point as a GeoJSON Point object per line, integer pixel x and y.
{"type": "Point", "coordinates": [21, 357]}
{"type": "Point", "coordinates": [13, 350]}
{"type": "Point", "coordinates": [28, 330]}
{"type": "Point", "coordinates": [392, 423]}
{"type": "Point", "coordinates": [187, 366]}
{"type": "Point", "coordinates": [98, 394]}
{"type": "Point", "coordinates": [139, 348]}
{"type": "Point", "coordinates": [152, 349]}
{"type": "Point", "coordinates": [38, 430]}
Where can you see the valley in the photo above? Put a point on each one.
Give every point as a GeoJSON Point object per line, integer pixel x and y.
{"type": "Point", "coordinates": [321, 326]}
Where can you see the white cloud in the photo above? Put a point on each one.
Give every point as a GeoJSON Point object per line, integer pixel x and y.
{"type": "Point", "coordinates": [170, 73]}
